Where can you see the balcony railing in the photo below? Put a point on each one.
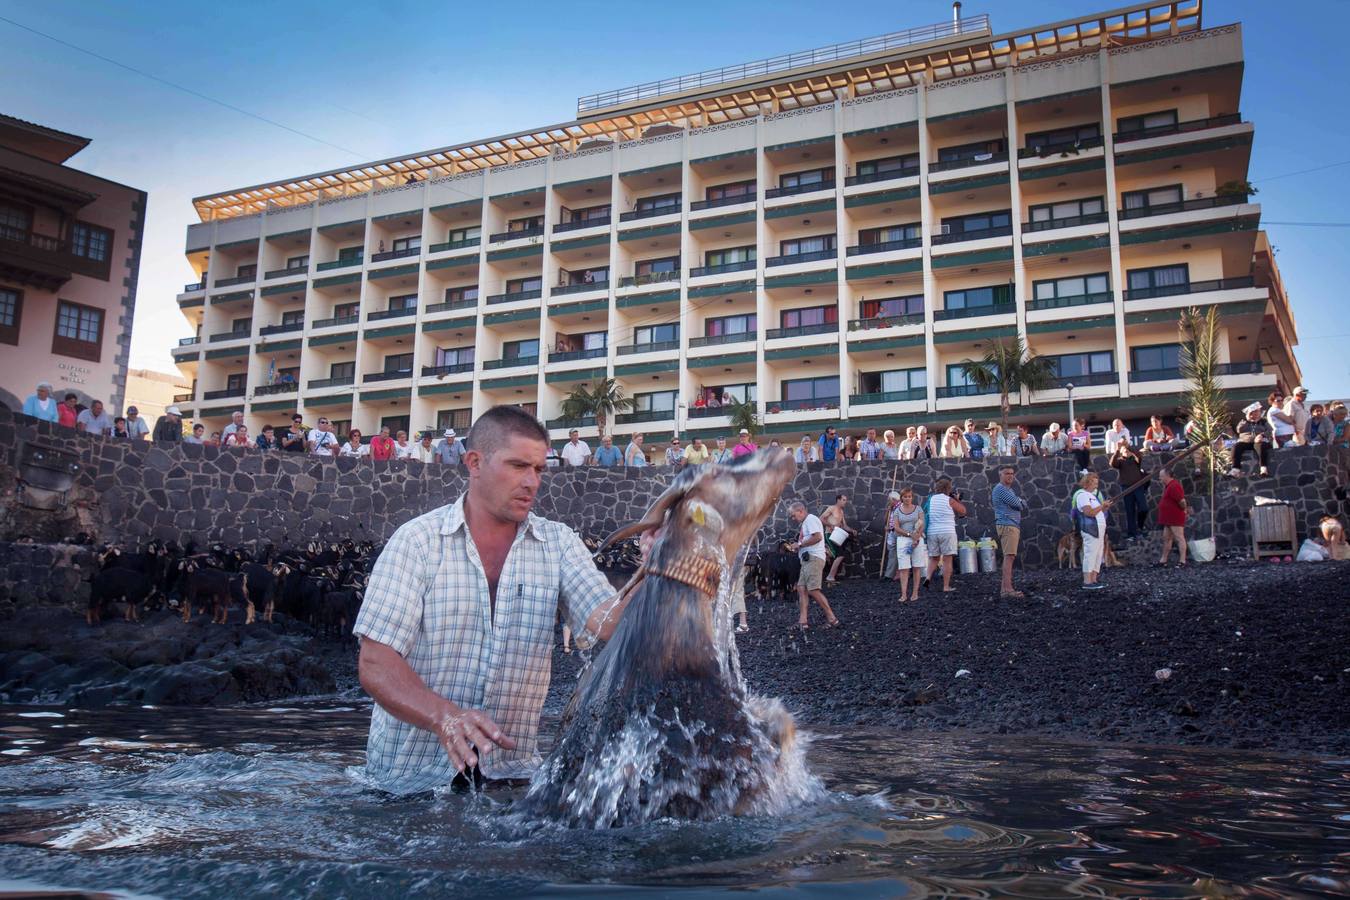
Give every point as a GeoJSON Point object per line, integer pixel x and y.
{"type": "Point", "coordinates": [964, 390]}
{"type": "Point", "coordinates": [387, 255]}
{"type": "Point", "coordinates": [242, 279]}
{"type": "Point", "coordinates": [1061, 147]}
{"type": "Point", "coordinates": [1092, 379]}
{"type": "Point", "coordinates": [712, 340]}
{"type": "Point", "coordinates": [391, 314]}
{"type": "Point", "coordinates": [578, 224]}
{"type": "Point", "coordinates": [808, 403]}
{"type": "Point", "coordinates": [733, 200]}
{"type": "Point", "coordinates": [339, 381]}
{"type": "Point", "coordinates": [1122, 137]}
{"type": "Point", "coordinates": [1190, 287]}
{"type": "Point", "coordinates": [885, 322]}
{"type": "Point", "coordinates": [802, 330]}
{"type": "Point", "coordinates": [451, 305]}
{"type": "Point", "coordinates": [1066, 222]}
{"type": "Point", "coordinates": [391, 375]}
{"type": "Point", "coordinates": [230, 336]}
{"type": "Point", "coordinates": [792, 190]}
{"type": "Point", "coordinates": [889, 396]}
{"type": "Point", "coordinates": [518, 295]}
{"type": "Point", "coordinates": [336, 320]}
{"type": "Point", "coordinates": [634, 215]}
{"type": "Point", "coordinates": [225, 392]}
{"type": "Point", "coordinates": [183, 398]}
{"type": "Point", "coordinates": [1066, 302]}
{"type": "Point", "coordinates": [511, 362]}
{"type": "Point", "coordinates": [971, 312]}
{"type": "Point", "coordinates": [707, 412]}
{"type": "Point", "coordinates": [338, 264]}
{"type": "Point", "coordinates": [886, 247]}
{"type": "Point", "coordinates": [965, 162]}
{"type": "Point", "coordinates": [189, 341]}
{"type": "Point", "coordinates": [1163, 209]}
{"type": "Point", "coordinates": [645, 415]}
{"type": "Point", "coordinates": [282, 273]}
{"type": "Point", "coordinates": [570, 355]}
{"type": "Point", "coordinates": [974, 235]}
{"type": "Point", "coordinates": [195, 286]}
{"type": "Point", "coordinates": [287, 328]}
{"type": "Point", "coordinates": [1239, 368]}
{"type": "Point", "coordinates": [583, 422]}
{"type": "Point", "coordinates": [888, 175]}
{"type": "Point", "coordinates": [814, 256]}
{"type": "Point", "coordinates": [649, 278]}
{"type": "Point", "coordinates": [649, 347]}
{"type": "Point", "coordinates": [456, 369]}
{"type": "Point", "coordinates": [516, 235]}
{"type": "Point", "coordinates": [454, 245]}
{"type": "Point", "coordinates": [281, 387]}
{"type": "Point", "coordinates": [743, 266]}
{"type": "Point", "coordinates": [580, 288]}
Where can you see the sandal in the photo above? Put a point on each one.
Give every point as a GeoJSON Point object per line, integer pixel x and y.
{"type": "Point", "coordinates": [833, 624]}
{"type": "Point", "coordinates": [742, 629]}
{"type": "Point", "coordinates": [802, 626]}
{"type": "Point", "coordinates": [1014, 595]}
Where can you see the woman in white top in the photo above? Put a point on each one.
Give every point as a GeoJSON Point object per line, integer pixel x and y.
{"type": "Point", "coordinates": [354, 447]}
{"type": "Point", "coordinates": [1116, 435]}
{"type": "Point", "coordinates": [807, 451]}
{"type": "Point", "coordinates": [1091, 506]}
{"type": "Point", "coordinates": [403, 449]}
{"type": "Point", "coordinates": [954, 444]}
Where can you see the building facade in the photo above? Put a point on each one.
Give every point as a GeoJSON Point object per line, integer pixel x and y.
{"type": "Point", "coordinates": [829, 241]}
{"type": "Point", "coordinates": [70, 247]}
{"type": "Point", "coordinates": [152, 392]}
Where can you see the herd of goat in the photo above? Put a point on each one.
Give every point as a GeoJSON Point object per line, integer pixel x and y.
{"type": "Point", "coordinates": [319, 583]}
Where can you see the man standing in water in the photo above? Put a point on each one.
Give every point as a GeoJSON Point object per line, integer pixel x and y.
{"type": "Point", "coordinates": [457, 624]}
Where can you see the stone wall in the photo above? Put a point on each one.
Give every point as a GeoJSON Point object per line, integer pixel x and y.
{"type": "Point", "coordinates": [132, 492]}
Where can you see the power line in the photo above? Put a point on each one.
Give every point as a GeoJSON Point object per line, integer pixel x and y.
{"type": "Point", "coordinates": [1310, 224]}
{"type": "Point", "coordinates": [1344, 162]}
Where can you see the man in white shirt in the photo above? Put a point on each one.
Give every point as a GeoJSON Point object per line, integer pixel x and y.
{"type": "Point", "coordinates": [322, 442]}
{"type": "Point", "coordinates": [810, 546]}
{"type": "Point", "coordinates": [575, 452]}
{"type": "Point", "coordinates": [94, 420]}
{"type": "Point", "coordinates": [236, 419]}
{"type": "Point", "coordinates": [137, 427]}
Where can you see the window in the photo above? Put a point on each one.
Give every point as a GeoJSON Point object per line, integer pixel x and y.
{"type": "Point", "coordinates": [666, 202]}
{"type": "Point", "coordinates": [811, 315]}
{"type": "Point", "coordinates": [407, 244]}
{"type": "Point", "coordinates": [454, 356]}
{"type": "Point", "coordinates": [248, 271]}
{"type": "Point", "coordinates": [342, 370]}
{"type": "Point", "coordinates": [956, 376]}
{"type": "Point", "coordinates": [746, 323]}
{"type": "Point", "coordinates": [889, 234]}
{"type": "Point", "coordinates": [298, 262]}
{"type": "Point", "coordinates": [395, 424]}
{"type": "Point", "coordinates": [1079, 365]}
{"type": "Point", "coordinates": [1073, 286]}
{"type": "Point", "coordinates": [457, 419]}
{"type": "Point", "coordinates": [729, 256]}
{"type": "Point", "coordinates": [1147, 122]}
{"type": "Point", "coordinates": [349, 254]}
{"type": "Point", "coordinates": [598, 275]}
{"type": "Point", "coordinates": [403, 301]}
{"type": "Point", "coordinates": [975, 298]}
{"type": "Point", "coordinates": [346, 310]}
{"type": "Point", "coordinates": [241, 326]}
{"type": "Point", "coordinates": [657, 401]}
{"type": "Point", "coordinates": [1067, 209]}
{"type": "Point", "coordinates": [1153, 197]}
{"type": "Point", "coordinates": [11, 306]}
{"type": "Point", "coordinates": [1159, 281]}
{"type": "Point", "coordinates": [79, 331]}
{"type": "Point", "coordinates": [818, 177]}
{"type": "Point", "coordinates": [595, 340]}
{"type": "Point", "coordinates": [657, 266]}
{"type": "Point", "coordinates": [589, 214]}
{"type": "Point", "coordinates": [93, 242]}
{"type": "Point", "coordinates": [890, 165]}
{"type": "Point", "coordinates": [521, 349]}
{"type": "Point", "coordinates": [977, 222]}
{"type": "Point", "coordinates": [1062, 137]}
{"type": "Point", "coordinates": [736, 189]}
{"type": "Point", "coordinates": [398, 362]}
{"type": "Point", "coordinates": [893, 306]}
{"type": "Point", "coordinates": [741, 393]}
{"type": "Point", "coordinates": [1155, 358]}
{"type": "Point", "coordinates": [341, 427]}
{"type": "Point", "coordinates": [460, 235]}
{"type": "Point", "coordinates": [236, 383]}
{"type": "Point", "coordinates": [293, 371]}
{"type": "Point", "coordinates": [898, 381]}
{"type": "Point", "coordinates": [656, 334]}
{"type": "Point", "coordinates": [797, 246]}
{"type": "Point", "coordinates": [979, 151]}
{"type": "Point", "coordinates": [15, 221]}
{"type": "Point", "coordinates": [523, 285]}
{"type": "Point", "coordinates": [807, 389]}
{"type": "Point", "coordinates": [458, 294]}
{"type": "Point", "coordinates": [529, 223]}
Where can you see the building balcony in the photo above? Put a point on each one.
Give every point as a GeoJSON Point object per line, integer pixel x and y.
{"type": "Point", "coordinates": [395, 254]}
{"type": "Point", "coordinates": [573, 355]}
{"type": "Point", "coordinates": [281, 387]}
{"type": "Point", "coordinates": [454, 245]}
{"type": "Point", "coordinates": [1066, 222]}
{"type": "Point", "coordinates": [888, 397]}
{"type": "Point", "coordinates": [340, 381]}
{"type": "Point", "coordinates": [649, 278]}
{"type": "Point", "coordinates": [518, 295]}
{"type": "Point", "coordinates": [456, 369]}
{"type": "Point", "coordinates": [560, 422]}
{"type": "Point", "coordinates": [815, 256]}
{"type": "Point", "coordinates": [708, 412]}
{"type": "Point", "coordinates": [241, 279]}
{"type": "Point", "coordinates": [1240, 368]}
{"type": "Point", "coordinates": [1061, 147]}
{"type": "Point", "coordinates": [1094, 379]}
{"type": "Point", "coordinates": [802, 331]}
{"type": "Point", "coordinates": [285, 273]}
{"type": "Point", "coordinates": [1066, 302]}
{"type": "Point", "coordinates": [645, 415]}
{"type": "Point", "coordinates": [335, 321]}
{"type": "Point", "coordinates": [650, 347]}
{"type": "Point", "coordinates": [452, 305]}
{"type": "Point", "coordinates": [190, 341]}
{"type": "Point", "coordinates": [964, 390]}
{"type": "Point", "coordinates": [183, 398]}
{"type": "Point", "coordinates": [501, 236]}
{"type": "Point", "coordinates": [888, 246]}
{"type": "Point", "coordinates": [393, 375]}
{"type": "Point", "coordinates": [1164, 209]}
{"type": "Point", "coordinates": [229, 336]}
{"type": "Point", "coordinates": [744, 266]}
{"type": "Point", "coordinates": [225, 392]}
{"type": "Point", "coordinates": [37, 259]}
{"type": "Point", "coordinates": [712, 340]}
{"type": "Point", "coordinates": [579, 224]}
{"type": "Point", "coordinates": [194, 287]}
{"type": "Point", "coordinates": [965, 162]}
{"type": "Point", "coordinates": [874, 177]}
{"type": "Point", "coordinates": [579, 288]}
{"type": "Point", "coordinates": [338, 264]}
{"type": "Point", "coordinates": [795, 189]}
{"type": "Point", "coordinates": [383, 314]}
{"type": "Point", "coordinates": [269, 330]}
{"type": "Point", "coordinates": [807, 403]}
{"type": "Point", "coordinates": [1191, 287]}
{"type": "Point", "coordinates": [970, 312]}
{"type": "Point", "coordinates": [1122, 137]}
{"type": "Point", "coordinates": [738, 199]}
{"type": "Point", "coordinates": [885, 322]}
{"type": "Point", "coordinates": [957, 237]}
{"type": "Point", "coordinates": [636, 214]}
{"type": "Point", "coordinates": [511, 362]}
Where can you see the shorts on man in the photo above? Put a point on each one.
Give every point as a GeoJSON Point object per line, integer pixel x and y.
{"type": "Point", "coordinates": [813, 569]}
{"type": "Point", "coordinates": [1008, 538]}
{"type": "Point", "coordinates": [941, 545]}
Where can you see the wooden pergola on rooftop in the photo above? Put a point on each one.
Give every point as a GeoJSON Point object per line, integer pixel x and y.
{"type": "Point", "coordinates": [793, 81]}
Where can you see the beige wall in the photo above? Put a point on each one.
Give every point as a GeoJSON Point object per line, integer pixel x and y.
{"type": "Point", "coordinates": [150, 392]}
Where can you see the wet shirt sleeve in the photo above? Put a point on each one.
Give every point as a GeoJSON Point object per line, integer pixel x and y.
{"type": "Point", "coordinates": [392, 610]}
{"type": "Point", "coordinates": [582, 587]}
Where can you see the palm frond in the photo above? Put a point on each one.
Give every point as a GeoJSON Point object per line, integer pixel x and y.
{"type": "Point", "coordinates": [600, 402]}
{"type": "Point", "coordinates": [1206, 402]}
{"type": "Point", "coordinates": [1008, 366]}
{"type": "Point", "coordinates": [743, 415]}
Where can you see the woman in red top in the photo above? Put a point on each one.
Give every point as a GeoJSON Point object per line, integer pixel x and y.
{"type": "Point", "coordinates": [66, 412]}
{"type": "Point", "coordinates": [1172, 516]}
{"type": "Point", "coordinates": [382, 445]}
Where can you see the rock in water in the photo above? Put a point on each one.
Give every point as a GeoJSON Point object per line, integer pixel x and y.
{"type": "Point", "coordinates": [662, 725]}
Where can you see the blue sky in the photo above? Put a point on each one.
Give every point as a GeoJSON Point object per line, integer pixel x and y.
{"type": "Point", "coordinates": [388, 77]}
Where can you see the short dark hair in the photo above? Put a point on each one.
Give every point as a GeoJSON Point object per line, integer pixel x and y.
{"type": "Point", "coordinates": [494, 427]}
{"type": "Point", "coordinates": [1007, 468]}
{"type": "Point", "coordinates": [838, 497]}
{"type": "Point", "coordinates": [199, 425]}
{"type": "Point", "coordinates": [72, 396]}
{"type": "Point", "coordinates": [942, 485]}
{"type": "Point", "coordinates": [267, 428]}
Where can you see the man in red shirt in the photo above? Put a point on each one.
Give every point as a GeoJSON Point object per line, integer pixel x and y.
{"type": "Point", "coordinates": [382, 445]}
{"type": "Point", "coordinates": [1172, 511]}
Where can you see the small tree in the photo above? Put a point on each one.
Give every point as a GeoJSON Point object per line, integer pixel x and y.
{"type": "Point", "coordinates": [743, 415]}
{"type": "Point", "coordinates": [1008, 365]}
{"type": "Point", "coordinates": [1206, 405]}
{"type": "Point", "coordinates": [602, 402]}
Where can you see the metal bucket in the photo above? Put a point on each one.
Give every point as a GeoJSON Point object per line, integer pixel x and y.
{"type": "Point", "coordinates": [967, 558]}
{"type": "Point", "coordinates": [988, 557]}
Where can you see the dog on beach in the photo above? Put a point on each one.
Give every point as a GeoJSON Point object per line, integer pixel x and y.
{"type": "Point", "coordinates": [1070, 550]}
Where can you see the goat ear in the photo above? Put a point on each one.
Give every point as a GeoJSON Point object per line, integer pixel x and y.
{"type": "Point", "coordinates": [656, 515]}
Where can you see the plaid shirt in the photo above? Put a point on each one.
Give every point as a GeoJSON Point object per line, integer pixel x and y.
{"type": "Point", "coordinates": [428, 599]}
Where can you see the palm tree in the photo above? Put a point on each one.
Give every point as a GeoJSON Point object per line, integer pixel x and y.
{"type": "Point", "coordinates": [743, 415]}
{"type": "Point", "coordinates": [1206, 405]}
{"type": "Point", "coordinates": [601, 402]}
{"type": "Point", "coordinates": [1009, 366]}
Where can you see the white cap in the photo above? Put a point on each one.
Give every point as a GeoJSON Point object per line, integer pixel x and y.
{"type": "Point", "coordinates": [745, 431]}
{"type": "Point", "coordinates": [894, 495]}
{"type": "Point", "coordinates": [1248, 410]}
{"type": "Point", "coordinates": [173, 411]}
{"type": "Point", "coordinates": [1301, 390]}
{"type": "Point", "coordinates": [449, 432]}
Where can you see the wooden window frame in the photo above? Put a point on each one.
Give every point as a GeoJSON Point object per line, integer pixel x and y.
{"type": "Point", "coordinates": [9, 334]}
{"type": "Point", "coordinates": [73, 347]}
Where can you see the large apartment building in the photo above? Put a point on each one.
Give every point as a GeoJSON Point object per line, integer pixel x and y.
{"type": "Point", "coordinates": [827, 234]}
